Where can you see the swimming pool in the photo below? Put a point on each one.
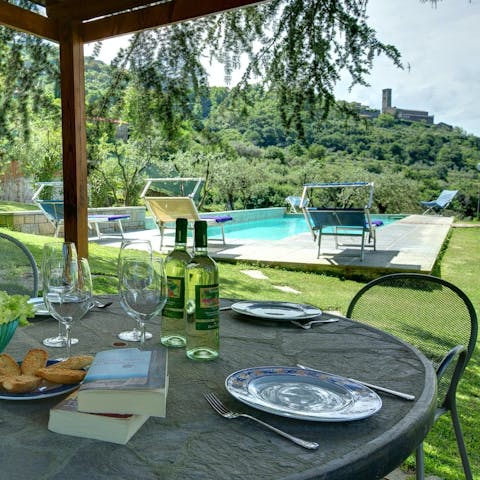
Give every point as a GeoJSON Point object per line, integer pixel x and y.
{"type": "Point", "coordinates": [276, 228]}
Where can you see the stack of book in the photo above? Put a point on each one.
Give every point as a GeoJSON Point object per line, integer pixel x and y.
{"type": "Point", "coordinates": [121, 390]}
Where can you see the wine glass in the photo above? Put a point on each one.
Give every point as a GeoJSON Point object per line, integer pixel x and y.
{"type": "Point", "coordinates": [143, 287]}
{"type": "Point", "coordinates": [67, 288]}
{"type": "Point", "coordinates": [56, 249]}
{"type": "Point", "coordinates": [128, 249]}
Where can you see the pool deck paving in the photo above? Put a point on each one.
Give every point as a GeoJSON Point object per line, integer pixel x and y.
{"type": "Point", "coordinates": [410, 244]}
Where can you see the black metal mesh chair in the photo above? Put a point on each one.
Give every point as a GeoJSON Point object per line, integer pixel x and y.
{"type": "Point", "coordinates": [437, 318]}
{"type": "Point", "coordinates": [18, 269]}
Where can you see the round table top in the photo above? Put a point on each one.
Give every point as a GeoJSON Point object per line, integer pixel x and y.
{"type": "Point", "coordinates": [194, 442]}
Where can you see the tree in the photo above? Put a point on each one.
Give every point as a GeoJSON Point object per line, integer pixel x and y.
{"type": "Point", "coordinates": [28, 65]}
{"type": "Point", "coordinates": [296, 48]}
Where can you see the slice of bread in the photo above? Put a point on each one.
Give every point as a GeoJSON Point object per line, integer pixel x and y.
{"type": "Point", "coordinates": [8, 365]}
{"type": "Point", "coordinates": [61, 375]}
{"type": "Point", "coordinates": [74, 363]}
{"type": "Point", "coordinates": [21, 383]}
{"type": "Point", "coordinates": [34, 359]}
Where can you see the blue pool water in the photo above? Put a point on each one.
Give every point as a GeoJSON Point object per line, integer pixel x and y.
{"type": "Point", "coordinates": [274, 228]}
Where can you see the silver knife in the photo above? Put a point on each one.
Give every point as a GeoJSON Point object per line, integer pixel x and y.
{"type": "Point", "coordinates": [405, 396]}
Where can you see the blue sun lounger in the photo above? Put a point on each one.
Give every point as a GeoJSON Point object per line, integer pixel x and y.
{"type": "Point", "coordinates": [442, 202]}
{"type": "Point", "coordinates": [54, 212]}
{"type": "Point", "coordinates": [342, 222]}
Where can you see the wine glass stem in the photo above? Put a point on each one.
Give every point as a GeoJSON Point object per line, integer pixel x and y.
{"type": "Point", "coordinates": [69, 339]}
{"type": "Point", "coordinates": [142, 333]}
{"type": "Point", "coordinates": [60, 331]}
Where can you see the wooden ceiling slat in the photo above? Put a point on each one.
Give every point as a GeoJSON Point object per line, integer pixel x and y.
{"type": "Point", "coordinates": [28, 22]}
{"type": "Point", "coordinates": [86, 10]}
{"type": "Point", "coordinates": [156, 16]}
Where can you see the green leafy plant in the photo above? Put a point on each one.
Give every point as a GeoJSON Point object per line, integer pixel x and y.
{"type": "Point", "coordinates": [13, 307]}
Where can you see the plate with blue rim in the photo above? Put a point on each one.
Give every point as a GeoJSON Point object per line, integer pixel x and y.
{"type": "Point", "coordinates": [276, 311]}
{"type": "Point", "coordinates": [303, 394]}
{"type": "Point", "coordinates": [45, 390]}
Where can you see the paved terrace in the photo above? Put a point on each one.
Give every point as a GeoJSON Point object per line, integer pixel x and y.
{"type": "Point", "coordinates": [410, 244]}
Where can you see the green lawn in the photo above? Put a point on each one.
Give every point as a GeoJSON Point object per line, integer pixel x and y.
{"type": "Point", "coordinates": [459, 265]}
{"type": "Point", "coordinates": [16, 207]}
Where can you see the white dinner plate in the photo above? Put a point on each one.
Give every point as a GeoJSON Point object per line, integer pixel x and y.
{"type": "Point", "coordinates": [303, 394]}
{"type": "Point", "coordinates": [39, 306]}
{"type": "Point", "coordinates": [279, 311]}
{"type": "Point", "coordinates": [45, 390]}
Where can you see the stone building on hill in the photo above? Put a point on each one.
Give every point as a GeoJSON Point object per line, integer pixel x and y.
{"type": "Point", "coordinates": [365, 111]}
{"type": "Point", "coordinates": [401, 113]}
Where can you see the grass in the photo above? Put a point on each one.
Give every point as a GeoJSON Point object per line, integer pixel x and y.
{"type": "Point", "coordinates": [6, 207]}
{"type": "Point", "coordinates": [459, 265]}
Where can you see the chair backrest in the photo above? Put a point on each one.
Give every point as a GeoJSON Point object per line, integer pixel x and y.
{"type": "Point", "coordinates": [173, 187]}
{"type": "Point", "coordinates": [333, 217]}
{"type": "Point", "coordinates": [53, 209]}
{"type": "Point", "coordinates": [168, 209]}
{"type": "Point", "coordinates": [446, 197]}
{"type": "Point", "coordinates": [18, 269]}
{"type": "Point", "coordinates": [427, 312]}
{"type": "Point", "coordinates": [297, 201]}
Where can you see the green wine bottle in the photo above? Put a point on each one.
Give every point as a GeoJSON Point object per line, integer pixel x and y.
{"type": "Point", "coordinates": [173, 320]}
{"type": "Point", "coordinates": [202, 301]}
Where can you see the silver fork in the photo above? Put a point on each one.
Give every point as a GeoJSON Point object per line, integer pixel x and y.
{"type": "Point", "coordinates": [405, 396]}
{"type": "Point", "coordinates": [308, 325]}
{"type": "Point", "coordinates": [220, 408]}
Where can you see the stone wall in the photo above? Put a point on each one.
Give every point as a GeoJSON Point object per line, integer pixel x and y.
{"type": "Point", "coordinates": [16, 189]}
{"type": "Point", "coordinates": [35, 222]}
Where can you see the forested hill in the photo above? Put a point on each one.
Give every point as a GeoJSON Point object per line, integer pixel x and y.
{"type": "Point", "coordinates": [250, 159]}
{"type": "Point", "coordinates": [407, 161]}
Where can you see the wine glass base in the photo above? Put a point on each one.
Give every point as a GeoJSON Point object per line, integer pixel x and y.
{"type": "Point", "coordinates": [133, 336]}
{"type": "Point", "coordinates": [58, 342]}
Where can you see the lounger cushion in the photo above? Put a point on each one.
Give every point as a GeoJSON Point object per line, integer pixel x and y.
{"type": "Point", "coordinates": [107, 218]}
{"type": "Point", "coordinates": [218, 219]}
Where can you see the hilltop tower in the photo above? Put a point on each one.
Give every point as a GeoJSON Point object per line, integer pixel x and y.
{"type": "Point", "coordinates": [386, 100]}
{"type": "Point", "coordinates": [402, 113]}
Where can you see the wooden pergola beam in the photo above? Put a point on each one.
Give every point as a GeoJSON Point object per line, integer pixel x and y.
{"type": "Point", "coordinates": [159, 15]}
{"type": "Point", "coordinates": [78, 10]}
{"type": "Point", "coordinates": [28, 22]}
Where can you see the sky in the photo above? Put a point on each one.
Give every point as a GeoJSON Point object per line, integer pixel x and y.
{"type": "Point", "coordinates": [439, 44]}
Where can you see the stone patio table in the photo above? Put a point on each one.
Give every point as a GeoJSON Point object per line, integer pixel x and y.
{"type": "Point", "coordinates": [193, 442]}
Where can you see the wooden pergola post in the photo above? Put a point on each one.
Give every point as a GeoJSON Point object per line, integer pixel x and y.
{"type": "Point", "coordinates": [74, 136]}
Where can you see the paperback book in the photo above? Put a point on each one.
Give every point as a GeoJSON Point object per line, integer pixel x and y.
{"type": "Point", "coordinates": [126, 381]}
{"type": "Point", "coordinates": [66, 419]}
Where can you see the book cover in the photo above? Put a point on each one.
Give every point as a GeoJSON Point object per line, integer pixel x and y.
{"type": "Point", "coordinates": [126, 381]}
{"type": "Point", "coordinates": [65, 418]}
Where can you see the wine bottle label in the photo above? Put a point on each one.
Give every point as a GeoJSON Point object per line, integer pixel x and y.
{"type": "Point", "coordinates": [172, 312]}
{"type": "Point", "coordinates": [176, 297]}
{"type": "Point", "coordinates": [176, 292]}
{"type": "Point", "coordinates": [206, 307]}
